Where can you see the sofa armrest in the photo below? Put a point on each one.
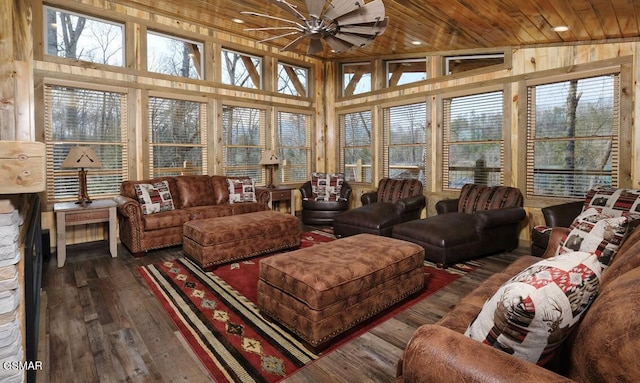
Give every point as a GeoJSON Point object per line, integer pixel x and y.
{"type": "Point", "coordinates": [306, 190]}
{"type": "Point", "coordinates": [561, 215]}
{"type": "Point", "coordinates": [416, 202]}
{"type": "Point", "coordinates": [263, 196]}
{"type": "Point", "coordinates": [557, 233]}
{"type": "Point", "coordinates": [345, 191]}
{"type": "Point", "coordinates": [447, 206]}
{"type": "Point", "coordinates": [439, 354]}
{"type": "Point", "coordinates": [128, 207]}
{"type": "Point", "coordinates": [369, 197]}
{"type": "Point", "coordinates": [498, 217]}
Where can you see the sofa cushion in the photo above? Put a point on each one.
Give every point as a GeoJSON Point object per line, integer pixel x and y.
{"type": "Point", "coordinates": [154, 198]}
{"type": "Point", "coordinates": [475, 198]}
{"type": "Point", "coordinates": [596, 233]}
{"type": "Point", "coordinates": [392, 190]}
{"type": "Point", "coordinates": [195, 190]}
{"type": "Point", "coordinates": [241, 190]}
{"type": "Point", "coordinates": [532, 314]}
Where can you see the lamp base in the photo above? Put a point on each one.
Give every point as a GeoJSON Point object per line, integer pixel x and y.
{"type": "Point", "coordinates": [83, 197]}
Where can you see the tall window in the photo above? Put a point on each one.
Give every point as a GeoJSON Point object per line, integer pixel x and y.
{"type": "Point", "coordinates": [240, 69]}
{"type": "Point", "coordinates": [293, 80]}
{"type": "Point", "coordinates": [177, 136]}
{"type": "Point", "coordinates": [473, 142]}
{"type": "Point", "coordinates": [243, 132]}
{"type": "Point", "coordinates": [400, 72]}
{"type": "Point", "coordinates": [356, 78]}
{"type": "Point", "coordinates": [405, 133]}
{"type": "Point", "coordinates": [85, 117]}
{"type": "Point", "coordinates": [572, 136]}
{"type": "Point", "coordinates": [174, 56]}
{"type": "Point", "coordinates": [294, 146]}
{"type": "Point", "coordinates": [80, 37]}
{"type": "Point", "coordinates": [355, 145]}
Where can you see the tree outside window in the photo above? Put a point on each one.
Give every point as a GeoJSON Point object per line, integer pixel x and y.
{"type": "Point", "coordinates": [174, 56]}
{"type": "Point", "coordinates": [80, 37]}
{"type": "Point", "coordinates": [405, 132]}
{"type": "Point", "coordinates": [355, 142]}
{"type": "Point", "coordinates": [293, 80]}
{"type": "Point", "coordinates": [294, 130]}
{"type": "Point", "coordinates": [241, 69]}
{"type": "Point", "coordinates": [356, 78]}
{"type": "Point", "coordinates": [243, 132]}
{"type": "Point", "coordinates": [573, 136]}
{"type": "Point", "coordinates": [178, 140]}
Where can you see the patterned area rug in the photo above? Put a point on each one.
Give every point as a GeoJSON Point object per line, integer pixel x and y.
{"type": "Point", "coordinates": [216, 313]}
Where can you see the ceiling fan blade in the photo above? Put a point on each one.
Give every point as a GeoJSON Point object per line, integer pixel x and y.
{"type": "Point", "coordinates": [288, 7]}
{"type": "Point", "coordinates": [293, 44]}
{"type": "Point", "coordinates": [314, 7]}
{"type": "Point", "coordinates": [338, 45]}
{"type": "Point", "coordinates": [338, 8]}
{"type": "Point", "coordinates": [272, 18]}
{"type": "Point", "coordinates": [366, 28]}
{"type": "Point", "coordinates": [370, 13]}
{"type": "Point", "coordinates": [273, 29]}
{"type": "Point", "coordinates": [357, 40]}
{"type": "Point", "coordinates": [315, 46]}
{"type": "Point", "coordinates": [277, 37]}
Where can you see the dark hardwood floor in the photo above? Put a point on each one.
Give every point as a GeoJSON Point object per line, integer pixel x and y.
{"type": "Point", "coordinates": [103, 324]}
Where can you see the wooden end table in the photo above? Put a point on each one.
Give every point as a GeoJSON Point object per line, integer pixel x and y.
{"type": "Point", "coordinates": [281, 193]}
{"type": "Point", "coordinates": [72, 214]}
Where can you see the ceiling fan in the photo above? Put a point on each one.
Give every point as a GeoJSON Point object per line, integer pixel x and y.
{"type": "Point", "coordinates": [342, 24]}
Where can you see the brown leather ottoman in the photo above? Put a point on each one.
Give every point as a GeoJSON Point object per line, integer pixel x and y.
{"type": "Point", "coordinates": [213, 241]}
{"type": "Point", "coordinates": [322, 291]}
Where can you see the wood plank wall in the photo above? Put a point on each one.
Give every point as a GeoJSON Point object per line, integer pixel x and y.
{"type": "Point", "coordinates": [521, 65]}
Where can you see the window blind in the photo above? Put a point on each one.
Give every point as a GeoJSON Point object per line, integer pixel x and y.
{"type": "Point", "coordinates": [404, 141]}
{"type": "Point", "coordinates": [244, 131]}
{"type": "Point", "coordinates": [355, 145]}
{"type": "Point", "coordinates": [294, 146]}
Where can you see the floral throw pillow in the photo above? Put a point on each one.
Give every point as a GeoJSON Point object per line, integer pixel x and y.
{"type": "Point", "coordinates": [532, 314]}
{"type": "Point", "coordinates": [597, 233]}
{"type": "Point", "coordinates": [241, 190]}
{"type": "Point", "coordinates": [154, 198]}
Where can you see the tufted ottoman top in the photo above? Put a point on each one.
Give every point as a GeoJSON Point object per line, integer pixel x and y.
{"type": "Point", "coordinates": [324, 274]}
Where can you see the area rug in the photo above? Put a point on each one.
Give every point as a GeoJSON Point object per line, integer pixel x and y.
{"type": "Point", "coordinates": [216, 314]}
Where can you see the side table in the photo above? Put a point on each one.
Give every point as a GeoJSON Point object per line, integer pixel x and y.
{"type": "Point", "coordinates": [281, 193]}
{"type": "Point", "coordinates": [72, 214]}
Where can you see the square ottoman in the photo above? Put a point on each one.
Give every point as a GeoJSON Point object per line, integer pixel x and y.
{"type": "Point", "coordinates": [214, 241]}
{"type": "Point", "coordinates": [321, 291]}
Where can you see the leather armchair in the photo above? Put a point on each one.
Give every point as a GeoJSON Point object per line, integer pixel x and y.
{"type": "Point", "coordinates": [395, 201]}
{"type": "Point", "coordinates": [561, 215]}
{"type": "Point", "coordinates": [322, 212]}
{"type": "Point", "coordinates": [482, 221]}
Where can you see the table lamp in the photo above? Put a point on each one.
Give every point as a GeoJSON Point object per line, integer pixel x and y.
{"type": "Point", "coordinates": [269, 160]}
{"type": "Point", "coordinates": [82, 157]}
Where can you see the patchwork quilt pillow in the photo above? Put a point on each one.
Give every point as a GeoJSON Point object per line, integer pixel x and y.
{"type": "Point", "coordinates": [597, 233]}
{"type": "Point", "coordinates": [612, 201]}
{"type": "Point", "coordinates": [154, 198]}
{"type": "Point", "coordinates": [241, 190]}
{"type": "Point", "coordinates": [532, 314]}
{"type": "Point", "coordinates": [326, 186]}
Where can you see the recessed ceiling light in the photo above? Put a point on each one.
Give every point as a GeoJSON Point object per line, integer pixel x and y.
{"type": "Point", "coordinates": [561, 28]}
{"type": "Point", "coordinates": [416, 42]}
{"type": "Point", "coordinates": [239, 21]}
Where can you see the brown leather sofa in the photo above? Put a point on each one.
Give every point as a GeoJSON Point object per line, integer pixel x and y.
{"type": "Point", "coordinates": [194, 197]}
{"type": "Point", "coordinates": [395, 201]}
{"type": "Point", "coordinates": [603, 348]}
{"type": "Point", "coordinates": [483, 220]}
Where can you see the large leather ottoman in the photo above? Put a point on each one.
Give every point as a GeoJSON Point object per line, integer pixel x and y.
{"type": "Point", "coordinates": [214, 241]}
{"type": "Point", "coordinates": [322, 291]}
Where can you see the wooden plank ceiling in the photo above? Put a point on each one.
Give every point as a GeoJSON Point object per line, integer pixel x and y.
{"type": "Point", "coordinates": [438, 25]}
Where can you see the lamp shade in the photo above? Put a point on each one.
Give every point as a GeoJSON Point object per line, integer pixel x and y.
{"type": "Point", "coordinates": [81, 157]}
{"type": "Point", "coordinates": [269, 157]}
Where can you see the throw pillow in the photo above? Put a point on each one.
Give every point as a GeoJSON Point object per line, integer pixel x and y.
{"type": "Point", "coordinates": [319, 183]}
{"type": "Point", "coordinates": [613, 201]}
{"type": "Point", "coordinates": [596, 233]}
{"type": "Point", "coordinates": [154, 198]}
{"type": "Point", "coordinates": [241, 190]}
{"type": "Point", "coordinates": [534, 312]}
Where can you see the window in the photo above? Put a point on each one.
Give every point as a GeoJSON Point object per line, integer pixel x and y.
{"type": "Point", "coordinates": [356, 78]}
{"type": "Point", "coordinates": [572, 136]}
{"type": "Point", "coordinates": [241, 70]}
{"type": "Point", "coordinates": [473, 143]}
{"type": "Point", "coordinates": [355, 144]}
{"type": "Point", "coordinates": [177, 135]}
{"type": "Point", "coordinates": [243, 132]}
{"type": "Point", "coordinates": [463, 63]}
{"type": "Point", "coordinates": [400, 72]}
{"type": "Point", "coordinates": [173, 56]}
{"type": "Point", "coordinates": [85, 117]}
{"type": "Point", "coordinates": [83, 38]}
{"type": "Point", "coordinates": [293, 80]}
{"type": "Point", "coordinates": [405, 133]}
{"type": "Point", "coordinates": [294, 146]}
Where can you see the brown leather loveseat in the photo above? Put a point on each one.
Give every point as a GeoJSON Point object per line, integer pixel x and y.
{"type": "Point", "coordinates": [602, 348]}
{"type": "Point", "coordinates": [183, 198]}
